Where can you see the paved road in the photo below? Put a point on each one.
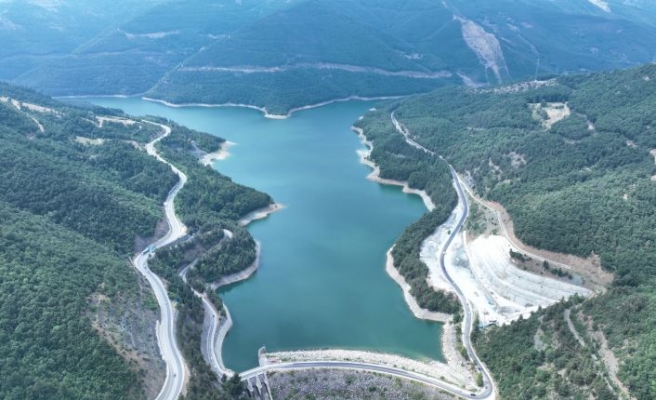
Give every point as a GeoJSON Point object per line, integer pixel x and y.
{"type": "Point", "coordinates": [210, 351]}
{"type": "Point", "coordinates": [396, 372]}
{"type": "Point", "coordinates": [166, 337]}
{"type": "Point", "coordinates": [489, 392]}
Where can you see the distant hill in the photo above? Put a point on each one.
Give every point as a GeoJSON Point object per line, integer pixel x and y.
{"type": "Point", "coordinates": [285, 54]}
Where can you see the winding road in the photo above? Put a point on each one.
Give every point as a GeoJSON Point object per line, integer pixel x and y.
{"type": "Point", "coordinates": [489, 390]}
{"type": "Point", "coordinates": [216, 331]}
{"type": "Point", "coordinates": [175, 367]}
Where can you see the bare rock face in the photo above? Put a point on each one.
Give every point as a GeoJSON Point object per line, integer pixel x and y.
{"type": "Point", "coordinates": [486, 47]}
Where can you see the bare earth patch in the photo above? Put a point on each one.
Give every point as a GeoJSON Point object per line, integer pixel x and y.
{"type": "Point", "coordinates": [38, 108]}
{"type": "Point", "coordinates": [89, 141]}
{"type": "Point", "coordinates": [129, 327]}
{"type": "Point", "coordinates": [218, 155]}
{"type": "Point", "coordinates": [485, 45]}
{"type": "Point", "coordinates": [589, 268]}
{"type": "Point", "coordinates": [554, 112]}
{"type": "Point", "coordinates": [122, 121]}
{"type": "Point", "coordinates": [601, 4]}
{"type": "Point", "coordinates": [607, 356]}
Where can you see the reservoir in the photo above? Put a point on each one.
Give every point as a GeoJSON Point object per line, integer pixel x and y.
{"type": "Point", "coordinates": [322, 280]}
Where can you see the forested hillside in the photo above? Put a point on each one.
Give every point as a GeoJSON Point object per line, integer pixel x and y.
{"type": "Point", "coordinates": [71, 215]}
{"type": "Point", "coordinates": [78, 196]}
{"type": "Point", "coordinates": [570, 160]}
{"type": "Point", "coordinates": [285, 54]}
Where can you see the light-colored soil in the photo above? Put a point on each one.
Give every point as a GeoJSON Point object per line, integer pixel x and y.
{"type": "Point", "coordinates": [555, 112]}
{"type": "Point", "coordinates": [418, 312]}
{"type": "Point", "coordinates": [152, 35]}
{"type": "Point", "coordinates": [433, 369]}
{"type": "Point", "coordinates": [129, 327]}
{"type": "Point", "coordinates": [255, 69]}
{"type": "Point", "coordinates": [607, 356]}
{"type": "Point", "coordinates": [115, 120]}
{"type": "Point", "coordinates": [601, 4]}
{"type": "Point", "coordinates": [516, 160]}
{"type": "Point", "coordinates": [38, 108]}
{"type": "Point", "coordinates": [588, 268]}
{"type": "Point", "coordinates": [89, 141]}
{"type": "Point", "coordinates": [538, 341]}
{"type": "Point", "coordinates": [497, 288]}
{"type": "Point", "coordinates": [503, 290]}
{"type": "Point", "coordinates": [454, 359]}
{"type": "Point", "coordinates": [519, 87]}
{"type": "Point", "coordinates": [260, 214]}
{"type": "Point", "coordinates": [218, 155]}
{"type": "Point", "coordinates": [38, 124]}
{"type": "Point", "coordinates": [485, 45]}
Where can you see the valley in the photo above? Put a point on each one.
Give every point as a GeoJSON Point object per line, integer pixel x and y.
{"type": "Point", "coordinates": [311, 199]}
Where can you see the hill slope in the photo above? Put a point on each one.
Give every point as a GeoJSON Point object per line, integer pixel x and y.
{"type": "Point", "coordinates": [572, 161]}
{"type": "Point", "coordinates": [79, 195]}
{"type": "Point", "coordinates": [286, 54]}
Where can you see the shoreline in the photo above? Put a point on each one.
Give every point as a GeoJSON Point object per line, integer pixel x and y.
{"type": "Point", "coordinates": [226, 324]}
{"type": "Point", "coordinates": [241, 275]}
{"type": "Point", "coordinates": [418, 312]}
{"type": "Point", "coordinates": [221, 154]}
{"type": "Point", "coordinates": [375, 174]}
{"type": "Point", "coordinates": [448, 338]}
{"type": "Point", "coordinates": [259, 214]}
{"type": "Point", "coordinates": [263, 110]}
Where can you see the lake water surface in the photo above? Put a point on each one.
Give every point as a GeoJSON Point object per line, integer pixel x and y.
{"type": "Point", "coordinates": [322, 280]}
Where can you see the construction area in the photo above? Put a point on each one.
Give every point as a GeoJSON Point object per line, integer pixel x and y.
{"type": "Point", "coordinates": [500, 280]}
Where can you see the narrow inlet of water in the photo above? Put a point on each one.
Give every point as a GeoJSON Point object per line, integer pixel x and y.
{"type": "Point", "coordinates": [322, 281]}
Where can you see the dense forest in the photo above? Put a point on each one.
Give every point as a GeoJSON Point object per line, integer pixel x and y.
{"type": "Point", "coordinates": [570, 160]}
{"type": "Point", "coordinates": [79, 195]}
{"type": "Point", "coordinates": [219, 50]}
{"type": "Point", "coordinates": [399, 161]}
{"type": "Point", "coordinates": [72, 214]}
{"type": "Point", "coordinates": [210, 204]}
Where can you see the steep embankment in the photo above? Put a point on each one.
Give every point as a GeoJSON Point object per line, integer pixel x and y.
{"type": "Point", "coordinates": [75, 197]}
{"type": "Point", "coordinates": [66, 164]}
{"type": "Point", "coordinates": [580, 185]}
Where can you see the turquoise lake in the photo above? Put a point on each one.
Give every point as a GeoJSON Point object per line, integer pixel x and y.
{"type": "Point", "coordinates": [322, 280]}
